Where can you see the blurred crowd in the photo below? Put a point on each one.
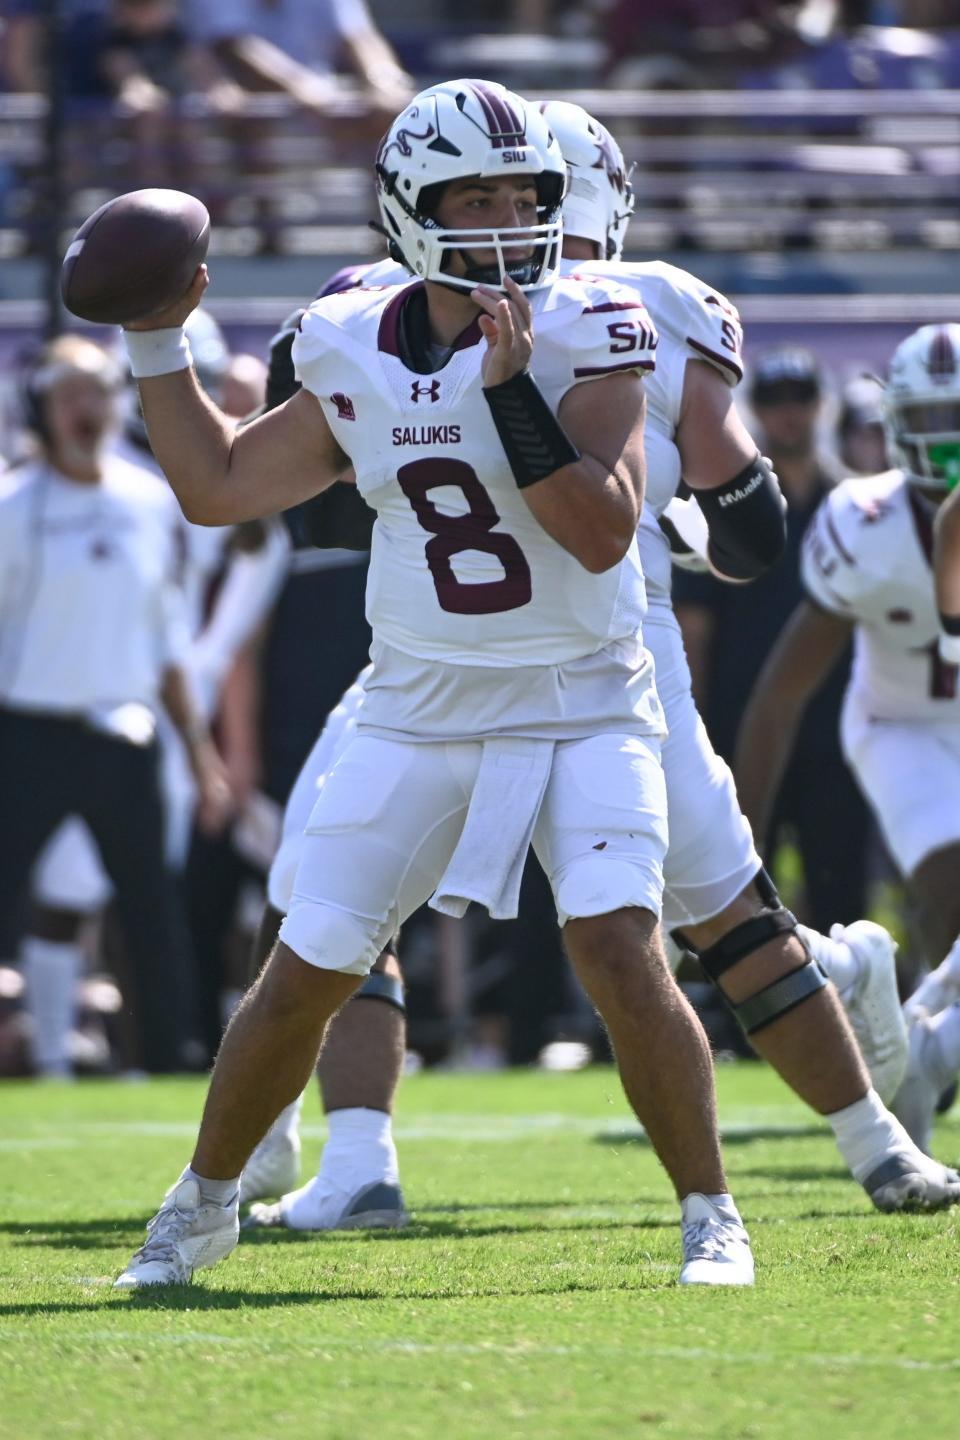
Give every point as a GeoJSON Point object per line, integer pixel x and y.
{"type": "Point", "coordinates": [177, 701]}
{"type": "Point", "coordinates": [147, 56]}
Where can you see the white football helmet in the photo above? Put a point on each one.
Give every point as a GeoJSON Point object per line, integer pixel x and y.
{"type": "Point", "coordinates": [451, 131]}
{"type": "Point", "coordinates": [922, 406]}
{"type": "Point", "coordinates": [599, 199]}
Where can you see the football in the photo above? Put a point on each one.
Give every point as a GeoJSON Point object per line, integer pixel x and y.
{"type": "Point", "coordinates": [134, 256]}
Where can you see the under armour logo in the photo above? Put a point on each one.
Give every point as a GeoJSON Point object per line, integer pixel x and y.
{"type": "Point", "coordinates": [344, 404]}
{"type": "Point", "coordinates": [418, 391]}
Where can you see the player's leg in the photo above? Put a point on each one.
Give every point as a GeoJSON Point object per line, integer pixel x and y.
{"type": "Point", "coordinates": [39, 760]}
{"type": "Point", "coordinates": [723, 905]}
{"type": "Point", "coordinates": [710, 891]}
{"type": "Point", "coordinates": [933, 882]}
{"type": "Point", "coordinates": [361, 1062]}
{"type": "Point", "coordinates": [912, 776]}
{"type": "Point", "coordinates": [68, 885]}
{"type": "Point", "coordinates": [383, 828]}
{"type": "Point", "coordinates": [357, 1185]}
{"type": "Point", "coordinates": [601, 837]}
{"type": "Point", "coordinates": [123, 806]}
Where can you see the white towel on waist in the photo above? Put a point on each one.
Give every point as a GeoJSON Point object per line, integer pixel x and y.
{"type": "Point", "coordinates": [487, 864]}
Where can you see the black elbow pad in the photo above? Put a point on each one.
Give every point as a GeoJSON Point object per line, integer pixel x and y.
{"type": "Point", "coordinates": [747, 522]}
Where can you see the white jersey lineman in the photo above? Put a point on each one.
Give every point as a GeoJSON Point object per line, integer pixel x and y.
{"type": "Point", "coordinates": [867, 557]}
{"type": "Point", "coordinates": [711, 857]}
{"type": "Point", "coordinates": [486, 631]}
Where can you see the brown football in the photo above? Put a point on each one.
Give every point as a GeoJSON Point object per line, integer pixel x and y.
{"type": "Point", "coordinates": [134, 256]}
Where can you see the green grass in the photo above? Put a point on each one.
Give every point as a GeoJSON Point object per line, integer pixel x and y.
{"type": "Point", "coordinates": [533, 1297]}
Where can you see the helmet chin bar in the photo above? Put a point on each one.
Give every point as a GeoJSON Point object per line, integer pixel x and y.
{"type": "Point", "coordinates": [529, 272]}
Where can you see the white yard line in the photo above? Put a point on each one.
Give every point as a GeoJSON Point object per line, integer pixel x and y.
{"type": "Point", "coordinates": [522, 1350]}
{"type": "Point", "coordinates": [466, 1128]}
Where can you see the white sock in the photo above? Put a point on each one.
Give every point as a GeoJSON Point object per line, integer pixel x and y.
{"type": "Point", "coordinates": [51, 969]}
{"type": "Point", "coordinates": [213, 1192]}
{"type": "Point", "coordinates": [866, 1133]}
{"type": "Point", "coordinates": [945, 1032]}
{"type": "Point", "coordinates": [835, 958]}
{"type": "Point", "coordinates": [725, 1204]}
{"type": "Point", "coordinates": [359, 1148]}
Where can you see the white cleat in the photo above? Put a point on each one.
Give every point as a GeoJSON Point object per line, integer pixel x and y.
{"type": "Point", "coordinates": [316, 1206]}
{"type": "Point", "coordinates": [873, 1005]}
{"type": "Point", "coordinates": [910, 1180]}
{"type": "Point", "coordinates": [273, 1168]}
{"type": "Point", "coordinates": [183, 1236]}
{"type": "Point", "coordinates": [915, 1103]}
{"type": "Point", "coordinates": [716, 1247]}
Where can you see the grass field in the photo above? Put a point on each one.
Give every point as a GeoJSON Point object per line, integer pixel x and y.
{"type": "Point", "coordinates": [534, 1295]}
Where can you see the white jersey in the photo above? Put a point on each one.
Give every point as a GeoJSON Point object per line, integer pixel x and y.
{"type": "Point", "coordinates": [693, 322]}
{"type": "Point", "coordinates": [867, 557]}
{"type": "Point", "coordinates": [460, 570]}
{"type": "Point", "coordinates": [90, 614]}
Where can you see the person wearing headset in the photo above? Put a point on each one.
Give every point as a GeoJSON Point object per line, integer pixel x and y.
{"type": "Point", "coordinates": [91, 641]}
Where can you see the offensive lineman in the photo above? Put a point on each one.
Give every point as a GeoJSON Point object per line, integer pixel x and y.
{"type": "Point", "coordinates": [867, 569]}
{"type": "Point", "coordinates": [482, 729]}
{"type": "Point", "coordinates": [715, 889]}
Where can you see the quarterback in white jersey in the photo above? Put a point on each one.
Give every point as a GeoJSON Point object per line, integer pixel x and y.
{"type": "Point", "coordinates": [714, 885]}
{"type": "Point", "coordinates": [470, 183]}
{"type": "Point", "coordinates": [868, 570]}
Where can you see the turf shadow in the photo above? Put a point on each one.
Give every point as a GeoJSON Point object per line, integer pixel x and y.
{"type": "Point", "coordinates": [195, 1298]}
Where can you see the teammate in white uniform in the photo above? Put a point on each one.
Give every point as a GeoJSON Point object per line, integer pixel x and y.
{"type": "Point", "coordinates": [713, 879]}
{"type": "Point", "coordinates": [867, 568]}
{"type": "Point", "coordinates": [510, 698]}
{"type": "Point", "coordinates": [91, 643]}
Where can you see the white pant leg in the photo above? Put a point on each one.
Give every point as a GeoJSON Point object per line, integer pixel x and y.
{"type": "Point", "coordinates": [602, 830]}
{"type": "Point", "coordinates": [712, 857]}
{"type": "Point", "coordinates": [910, 774]}
{"type": "Point", "coordinates": [338, 730]}
{"type": "Point", "coordinates": [69, 873]}
{"type": "Point", "coordinates": [382, 830]}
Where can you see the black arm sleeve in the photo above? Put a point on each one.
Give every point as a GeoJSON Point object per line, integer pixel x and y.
{"type": "Point", "coordinates": [747, 522]}
{"type": "Point", "coordinates": [338, 518]}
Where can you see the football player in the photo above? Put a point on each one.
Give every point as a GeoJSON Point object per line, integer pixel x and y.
{"type": "Point", "coordinates": [716, 896]}
{"type": "Point", "coordinates": [495, 423]}
{"type": "Point", "coordinates": [867, 569]}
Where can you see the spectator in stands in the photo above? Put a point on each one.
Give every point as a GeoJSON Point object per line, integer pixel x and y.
{"type": "Point", "coordinates": [142, 65]}
{"type": "Point", "coordinates": [729, 629]}
{"type": "Point", "coordinates": [861, 442]}
{"type": "Point", "coordinates": [90, 647]}
{"type": "Point", "coordinates": [698, 42]}
{"type": "Point", "coordinates": [297, 46]}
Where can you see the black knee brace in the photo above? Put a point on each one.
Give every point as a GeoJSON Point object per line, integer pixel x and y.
{"type": "Point", "coordinates": [781, 996]}
{"type": "Point", "coordinates": [387, 988]}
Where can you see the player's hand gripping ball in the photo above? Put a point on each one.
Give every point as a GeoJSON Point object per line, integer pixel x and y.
{"type": "Point", "coordinates": [134, 256]}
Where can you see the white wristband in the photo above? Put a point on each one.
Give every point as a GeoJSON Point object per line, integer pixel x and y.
{"type": "Point", "coordinates": [949, 647]}
{"type": "Point", "coordinates": [157, 352]}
